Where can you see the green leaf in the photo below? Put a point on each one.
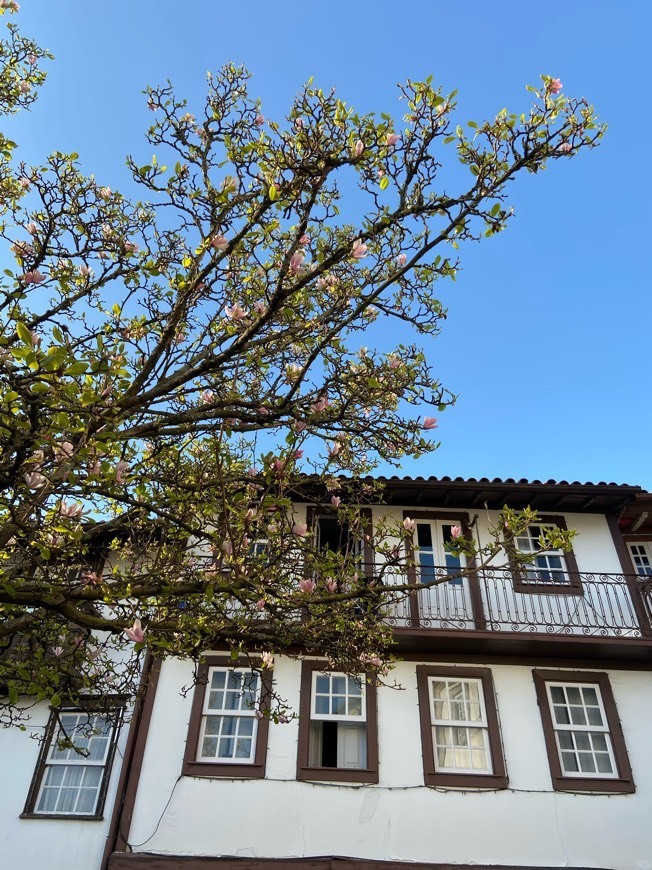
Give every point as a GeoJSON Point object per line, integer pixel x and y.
{"type": "Point", "coordinates": [77, 368]}
{"type": "Point", "coordinates": [495, 209]}
{"type": "Point", "coordinates": [55, 700]}
{"type": "Point", "coordinates": [24, 334]}
{"type": "Point", "coordinates": [384, 182]}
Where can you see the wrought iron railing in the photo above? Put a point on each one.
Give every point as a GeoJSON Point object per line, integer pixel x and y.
{"type": "Point", "coordinates": [601, 605]}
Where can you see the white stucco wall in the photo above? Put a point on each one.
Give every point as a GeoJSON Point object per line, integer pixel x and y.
{"type": "Point", "coordinates": [399, 819]}
{"type": "Point", "coordinates": [59, 844]}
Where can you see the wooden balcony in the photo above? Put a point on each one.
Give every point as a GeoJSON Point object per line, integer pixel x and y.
{"type": "Point", "coordinates": [586, 615]}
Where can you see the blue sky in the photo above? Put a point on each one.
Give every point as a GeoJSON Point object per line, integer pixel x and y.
{"type": "Point", "coordinates": [547, 342]}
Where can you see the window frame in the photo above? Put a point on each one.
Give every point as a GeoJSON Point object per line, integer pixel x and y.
{"type": "Point", "coordinates": [647, 554]}
{"type": "Point", "coordinates": [232, 769]}
{"type": "Point", "coordinates": [115, 709]}
{"type": "Point", "coordinates": [519, 569]}
{"type": "Point", "coordinates": [368, 774]}
{"type": "Point", "coordinates": [623, 783]}
{"type": "Point", "coordinates": [498, 778]}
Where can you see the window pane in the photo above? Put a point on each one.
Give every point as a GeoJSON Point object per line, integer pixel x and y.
{"type": "Point", "coordinates": [424, 535]}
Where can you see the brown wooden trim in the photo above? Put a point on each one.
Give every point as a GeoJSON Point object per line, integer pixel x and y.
{"type": "Point", "coordinates": [125, 800]}
{"type": "Point", "coordinates": [600, 664]}
{"type": "Point", "coordinates": [574, 585]}
{"type": "Point", "coordinates": [145, 861]}
{"type": "Point", "coordinates": [105, 705]}
{"type": "Point", "coordinates": [334, 774]}
{"type": "Point", "coordinates": [432, 777]}
{"type": "Point", "coordinates": [627, 566]}
{"type": "Point", "coordinates": [560, 781]}
{"type": "Point", "coordinates": [190, 766]}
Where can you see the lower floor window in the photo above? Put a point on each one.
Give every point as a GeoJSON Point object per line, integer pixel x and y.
{"type": "Point", "coordinates": [74, 765]}
{"type": "Point", "coordinates": [586, 748]}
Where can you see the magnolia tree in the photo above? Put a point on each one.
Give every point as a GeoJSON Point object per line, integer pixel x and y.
{"type": "Point", "coordinates": [177, 372]}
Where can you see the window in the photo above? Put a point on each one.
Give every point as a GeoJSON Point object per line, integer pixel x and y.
{"type": "Point", "coordinates": [586, 749]}
{"type": "Point", "coordinates": [337, 726]}
{"type": "Point", "coordinates": [227, 736]}
{"type": "Point", "coordinates": [72, 774]}
{"type": "Point", "coordinates": [552, 571]}
{"type": "Point", "coordinates": [459, 728]}
{"type": "Point", "coordinates": [642, 558]}
{"type": "Point", "coordinates": [432, 553]}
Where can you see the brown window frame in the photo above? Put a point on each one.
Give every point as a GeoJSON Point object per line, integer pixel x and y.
{"type": "Point", "coordinates": [192, 767]}
{"type": "Point", "coordinates": [574, 585]}
{"type": "Point", "coordinates": [335, 774]}
{"type": "Point", "coordinates": [624, 782]}
{"type": "Point", "coordinates": [114, 707]}
{"type": "Point", "coordinates": [432, 777]}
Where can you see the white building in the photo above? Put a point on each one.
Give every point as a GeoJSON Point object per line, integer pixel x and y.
{"type": "Point", "coordinates": [519, 737]}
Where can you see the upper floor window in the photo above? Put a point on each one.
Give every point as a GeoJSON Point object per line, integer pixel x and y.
{"type": "Point", "coordinates": [227, 735]}
{"type": "Point", "coordinates": [642, 558]}
{"type": "Point", "coordinates": [459, 728]}
{"type": "Point", "coordinates": [337, 726]}
{"type": "Point", "coordinates": [549, 571]}
{"type": "Point", "coordinates": [586, 749]}
{"type": "Point", "coordinates": [74, 765]}
{"type": "Point", "coordinates": [432, 551]}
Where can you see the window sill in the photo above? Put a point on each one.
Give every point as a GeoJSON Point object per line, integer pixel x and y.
{"type": "Point", "coordinates": [228, 771]}
{"type": "Point", "coordinates": [594, 786]}
{"type": "Point", "coordinates": [336, 774]}
{"type": "Point", "coordinates": [70, 817]}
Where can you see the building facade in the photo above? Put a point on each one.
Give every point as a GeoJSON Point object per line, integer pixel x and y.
{"type": "Point", "coordinates": [517, 734]}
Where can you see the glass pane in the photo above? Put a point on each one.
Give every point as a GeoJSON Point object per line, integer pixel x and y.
{"type": "Point", "coordinates": [243, 747]}
{"type": "Point", "coordinates": [216, 700]}
{"type": "Point", "coordinates": [226, 747]}
{"type": "Point", "coordinates": [355, 706]}
{"type": "Point", "coordinates": [212, 725]}
{"type": "Point", "coordinates": [565, 739]}
{"type": "Point", "coordinates": [475, 714]}
{"type": "Point", "coordinates": [218, 679]}
{"type": "Point", "coordinates": [338, 706]}
{"type": "Point", "coordinates": [582, 740]}
{"type": "Point", "coordinates": [441, 710]}
{"type": "Point", "coordinates": [595, 716]}
{"type": "Point", "coordinates": [323, 685]}
{"type": "Point", "coordinates": [209, 747]}
{"type": "Point", "coordinates": [479, 759]}
{"type": "Point", "coordinates": [561, 715]}
{"type": "Point", "coordinates": [246, 728]}
{"type": "Point", "coordinates": [604, 763]}
{"type": "Point", "coordinates": [557, 695]}
{"type": "Point", "coordinates": [599, 741]}
{"type": "Point", "coordinates": [587, 762]}
{"type": "Point", "coordinates": [574, 695]}
{"type": "Point", "coordinates": [569, 762]}
{"type": "Point", "coordinates": [578, 716]}
{"type": "Point", "coordinates": [439, 689]}
{"type": "Point", "coordinates": [229, 725]}
{"type": "Point", "coordinates": [424, 535]}
{"type": "Point", "coordinates": [321, 704]}
{"type": "Point", "coordinates": [354, 686]}
{"type": "Point", "coordinates": [338, 684]}
{"type": "Point", "coordinates": [87, 800]}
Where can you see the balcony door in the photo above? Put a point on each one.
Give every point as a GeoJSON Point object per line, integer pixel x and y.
{"type": "Point", "coordinates": [448, 600]}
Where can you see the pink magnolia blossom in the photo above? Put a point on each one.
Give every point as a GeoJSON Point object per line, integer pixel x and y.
{"type": "Point", "coordinates": [278, 466]}
{"type": "Point", "coordinates": [131, 247]}
{"type": "Point", "coordinates": [299, 425]}
{"type": "Point", "coordinates": [250, 515]}
{"type": "Point", "coordinates": [34, 480]}
{"type": "Point", "coordinates": [307, 586]}
{"type": "Point", "coordinates": [23, 249]}
{"type": "Point", "coordinates": [408, 524]}
{"type": "Point", "coordinates": [331, 585]}
{"type": "Point", "coordinates": [35, 338]}
{"type": "Point", "coordinates": [297, 455]}
{"type": "Point", "coordinates": [136, 634]}
{"type": "Point", "coordinates": [456, 531]}
{"type": "Point", "coordinates": [24, 87]}
{"type": "Point", "coordinates": [359, 148]}
{"type": "Point", "coordinates": [371, 660]}
{"type": "Point", "coordinates": [207, 396]}
{"type": "Point", "coordinates": [84, 271]}
{"type": "Point", "coordinates": [32, 59]}
{"type": "Point", "coordinates": [71, 511]}
{"type": "Point", "coordinates": [227, 548]}
{"type": "Point", "coordinates": [78, 640]}
{"type": "Point", "coordinates": [24, 182]}
{"type": "Point", "coordinates": [298, 122]}
{"type": "Point", "coordinates": [429, 422]}
{"type": "Point", "coordinates": [296, 262]}
{"type": "Point", "coordinates": [263, 410]}
{"type": "Point", "coordinates": [236, 312]}
{"type": "Point", "coordinates": [292, 372]}
{"type": "Point", "coordinates": [260, 120]}
{"type": "Point", "coordinates": [394, 362]}
{"type": "Point", "coordinates": [267, 660]}
{"type": "Point", "coordinates": [565, 147]}
{"type": "Point", "coordinates": [220, 243]}
{"type": "Point", "coordinates": [401, 259]}
{"type": "Point", "coordinates": [392, 139]}
{"type": "Point", "coordinates": [57, 650]}
{"type": "Point", "coordinates": [260, 307]}
{"type": "Point", "coordinates": [92, 653]}
{"type": "Point", "coordinates": [260, 604]}
{"type": "Point", "coordinates": [320, 405]}
{"type": "Point", "coordinates": [63, 451]}
{"type": "Point", "coordinates": [120, 468]}
{"type": "Point", "coordinates": [334, 449]}
{"type": "Point", "coordinates": [304, 240]}
{"type": "Point", "coordinates": [300, 529]}
{"type": "Point", "coordinates": [33, 277]}
{"type": "Point", "coordinates": [90, 578]}
{"type": "Point", "coordinates": [230, 183]}
{"type": "Point", "coordinates": [336, 501]}
{"type": "Point", "coordinates": [555, 86]}
{"type": "Point", "coordinates": [105, 192]}
{"type": "Point", "coordinates": [31, 228]}
{"type": "Point", "coordinates": [358, 250]}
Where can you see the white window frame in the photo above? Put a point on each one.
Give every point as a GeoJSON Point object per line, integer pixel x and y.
{"type": "Point", "coordinates": [338, 717]}
{"type": "Point", "coordinates": [242, 712]}
{"type": "Point", "coordinates": [532, 571]}
{"type": "Point", "coordinates": [574, 728]}
{"type": "Point", "coordinates": [79, 727]}
{"type": "Point", "coordinates": [439, 551]}
{"type": "Point", "coordinates": [468, 724]}
{"type": "Point", "coordinates": [645, 554]}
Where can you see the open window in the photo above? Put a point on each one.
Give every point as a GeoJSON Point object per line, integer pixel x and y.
{"type": "Point", "coordinates": [337, 726]}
